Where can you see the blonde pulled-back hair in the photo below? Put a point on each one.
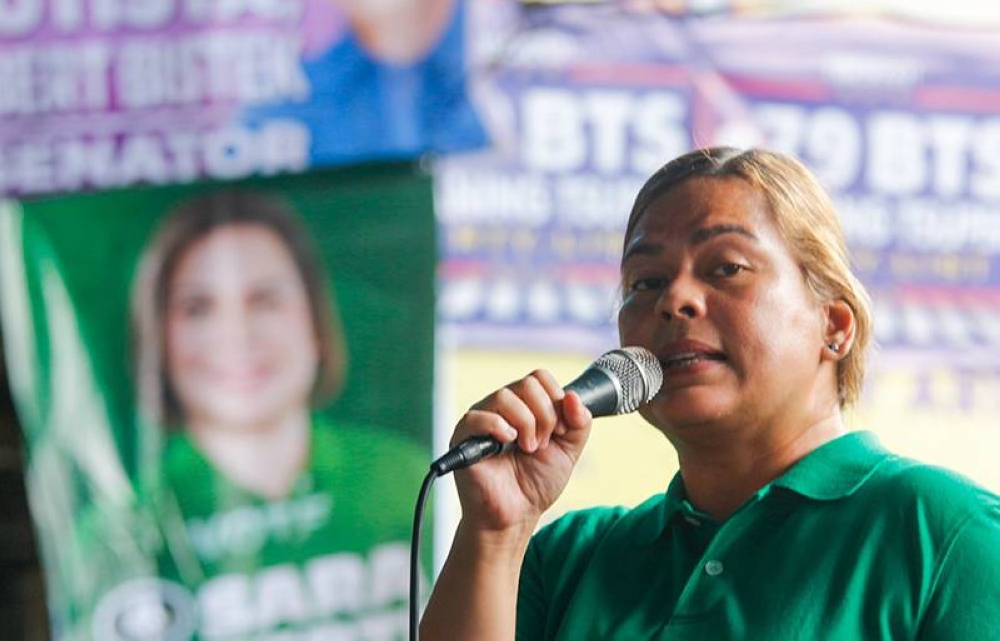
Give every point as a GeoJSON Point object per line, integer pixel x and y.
{"type": "Point", "coordinates": [808, 222]}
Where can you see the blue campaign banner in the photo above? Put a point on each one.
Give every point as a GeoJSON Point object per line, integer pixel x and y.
{"type": "Point", "coordinates": [105, 94]}
{"type": "Point", "coordinates": [897, 118]}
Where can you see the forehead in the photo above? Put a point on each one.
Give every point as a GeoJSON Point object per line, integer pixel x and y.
{"type": "Point", "coordinates": [701, 202]}
{"type": "Point", "coordinates": [234, 250]}
{"type": "Point", "coordinates": [686, 211]}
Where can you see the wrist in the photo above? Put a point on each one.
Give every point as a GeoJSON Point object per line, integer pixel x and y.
{"type": "Point", "coordinates": [497, 546]}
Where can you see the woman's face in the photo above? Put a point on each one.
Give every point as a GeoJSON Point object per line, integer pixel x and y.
{"type": "Point", "coordinates": [241, 349]}
{"type": "Point", "coordinates": [712, 289]}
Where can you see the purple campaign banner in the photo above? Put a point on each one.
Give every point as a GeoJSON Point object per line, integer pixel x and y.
{"type": "Point", "coordinates": [100, 94]}
{"type": "Point", "coordinates": [899, 121]}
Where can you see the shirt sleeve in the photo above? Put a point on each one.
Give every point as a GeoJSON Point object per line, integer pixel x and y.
{"type": "Point", "coordinates": [555, 563]}
{"type": "Point", "coordinates": [531, 605]}
{"type": "Point", "coordinates": [965, 603]}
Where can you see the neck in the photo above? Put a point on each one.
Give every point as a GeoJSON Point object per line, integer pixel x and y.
{"type": "Point", "coordinates": [721, 476]}
{"type": "Point", "coordinates": [266, 460]}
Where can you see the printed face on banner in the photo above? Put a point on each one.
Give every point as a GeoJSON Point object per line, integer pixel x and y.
{"type": "Point", "coordinates": [241, 350]}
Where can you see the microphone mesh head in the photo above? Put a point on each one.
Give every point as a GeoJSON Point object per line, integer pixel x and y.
{"type": "Point", "coordinates": [639, 372]}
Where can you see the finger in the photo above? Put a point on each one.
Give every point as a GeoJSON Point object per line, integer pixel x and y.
{"type": "Point", "coordinates": [556, 393]}
{"type": "Point", "coordinates": [541, 393]}
{"type": "Point", "coordinates": [549, 382]}
{"type": "Point", "coordinates": [576, 417]}
{"type": "Point", "coordinates": [526, 405]}
{"type": "Point", "coordinates": [508, 404]}
{"type": "Point", "coordinates": [478, 422]}
{"type": "Point", "coordinates": [529, 405]}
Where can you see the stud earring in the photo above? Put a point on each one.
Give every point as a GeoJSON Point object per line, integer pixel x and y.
{"type": "Point", "coordinates": [834, 347]}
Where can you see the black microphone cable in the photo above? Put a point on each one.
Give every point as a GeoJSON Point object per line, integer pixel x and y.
{"type": "Point", "coordinates": [462, 455]}
{"type": "Point", "coordinates": [418, 517]}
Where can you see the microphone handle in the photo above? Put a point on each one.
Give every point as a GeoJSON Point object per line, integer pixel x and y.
{"type": "Point", "coordinates": [599, 390]}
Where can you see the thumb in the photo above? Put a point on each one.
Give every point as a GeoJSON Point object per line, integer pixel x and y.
{"type": "Point", "coordinates": [576, 417]}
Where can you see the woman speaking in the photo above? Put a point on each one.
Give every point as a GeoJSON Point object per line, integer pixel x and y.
{"type": "Point", "coordinates": [781, 524]}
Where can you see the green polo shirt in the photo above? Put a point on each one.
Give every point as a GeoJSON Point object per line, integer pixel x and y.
{"type": "Point", "coordinates": [852, 543]}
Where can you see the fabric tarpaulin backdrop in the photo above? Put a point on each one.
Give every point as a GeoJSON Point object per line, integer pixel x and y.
{"type": "Point", "coordinates": [104, 95]}
{"type": "Point", "coordinates": [142, 536]}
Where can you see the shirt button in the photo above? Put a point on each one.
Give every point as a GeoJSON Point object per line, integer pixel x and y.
{"type": "Point", "coordinates": [713, 568]}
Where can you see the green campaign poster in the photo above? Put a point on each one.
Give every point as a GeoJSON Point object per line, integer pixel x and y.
{"type": "Point", "coordinates": [226, 396]}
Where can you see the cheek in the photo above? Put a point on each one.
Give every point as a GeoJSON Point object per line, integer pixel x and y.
{"type": "Point", "coordinates": [627, 333]}
{"type": "Point", "coordinates": [633, 321]}
{"type": "Point", "coordinates": [776, 325]}
{"type": "Point", "coordinates": [746, 326]}
{"type": "Point", "coordinates": [184, 341]}
{"type": "Point", "coordinates": [291, 326]}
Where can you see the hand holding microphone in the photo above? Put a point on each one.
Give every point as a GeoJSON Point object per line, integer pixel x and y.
{"type": "Point", "coordinates": [618, 382]}
{"type": "Point", "coordinates": [549, 426]}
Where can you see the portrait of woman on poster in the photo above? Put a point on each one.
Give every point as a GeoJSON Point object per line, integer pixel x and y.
{"type": "Point", "coordinates": [387, 79]}
{"type": "Point", "coordinates": [238, 349]}
{"type": "Point", "coordinates": [237, 337]}
{"type": "Point", "coordinates": [781, 523]}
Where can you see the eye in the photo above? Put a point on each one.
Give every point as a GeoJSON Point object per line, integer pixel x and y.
{"type": "Point", "coordinates": [194, 306]}
{"type": "Point", "coordinates": [266, 299]}
{"type": "Point", "coordinates": [727, 270]}
{"type": "Point", "coordinates": [649, 283]}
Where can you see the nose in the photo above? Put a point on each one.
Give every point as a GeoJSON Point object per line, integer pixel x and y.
{"type": "Point", "coordinates": [682, 298]}
{"type": "Point", "coordinates": [233, 331]}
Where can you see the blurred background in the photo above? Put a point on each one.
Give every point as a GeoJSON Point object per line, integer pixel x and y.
{"type": "Point", "coordinates": [522, 131]}
{"type": "Point", "coordinates": [893, 105]}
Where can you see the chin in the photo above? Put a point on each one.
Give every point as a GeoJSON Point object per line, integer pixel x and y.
{"type": "Point", "coordinates": [243, 416]}
{"type": "Point", "coordinates": [671, 414]}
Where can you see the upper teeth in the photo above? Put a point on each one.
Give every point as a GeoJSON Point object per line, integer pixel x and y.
{"type": "Point", "coordinates": [677, 358]}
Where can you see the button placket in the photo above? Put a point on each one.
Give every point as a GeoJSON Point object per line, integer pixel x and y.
{"type": "Point", "coordinates": [714, 567]}
{"type": "Point", "coordinates": [711, 570]}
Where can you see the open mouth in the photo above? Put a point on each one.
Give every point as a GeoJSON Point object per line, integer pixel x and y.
{"type": "Point", "coordinates": [687, 359]}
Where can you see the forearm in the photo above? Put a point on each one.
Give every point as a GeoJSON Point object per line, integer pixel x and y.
{"type": "Point", "coordinates": [475, 597]}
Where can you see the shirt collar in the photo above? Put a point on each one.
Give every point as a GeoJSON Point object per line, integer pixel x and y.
{"type": "Point", "coordinates": [833, 470]}
{"type": "Point", "coordinates": [653, 522]}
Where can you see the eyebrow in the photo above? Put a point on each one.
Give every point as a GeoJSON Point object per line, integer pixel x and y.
{"type": "Point", "coordinates": [707, 233]}
{"type": "Point", "coordinates": [698, 237]}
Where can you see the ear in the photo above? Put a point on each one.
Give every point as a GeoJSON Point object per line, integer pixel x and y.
{"type": "Point", "coordinates": [839, 333]}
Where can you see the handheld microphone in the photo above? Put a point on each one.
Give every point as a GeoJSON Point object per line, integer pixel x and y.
{"type": "Point", "coordinates": [618, 382]}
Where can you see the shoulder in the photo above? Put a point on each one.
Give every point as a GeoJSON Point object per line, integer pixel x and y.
{"type": "Point", "coordinates": [577, 531]}
{"type": "Point", "coordinates": [181, 459]}
{"type": "Point", "coordinates": [573, 539]}
{"type": "Point", "coordinates": [561, 555]}
{"type": "Point", "coordinates": [951, 531]}
{"type": "Point", "coordinates": [931, 491]}
{"type": "Point", "coordinates": [932, 511]}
